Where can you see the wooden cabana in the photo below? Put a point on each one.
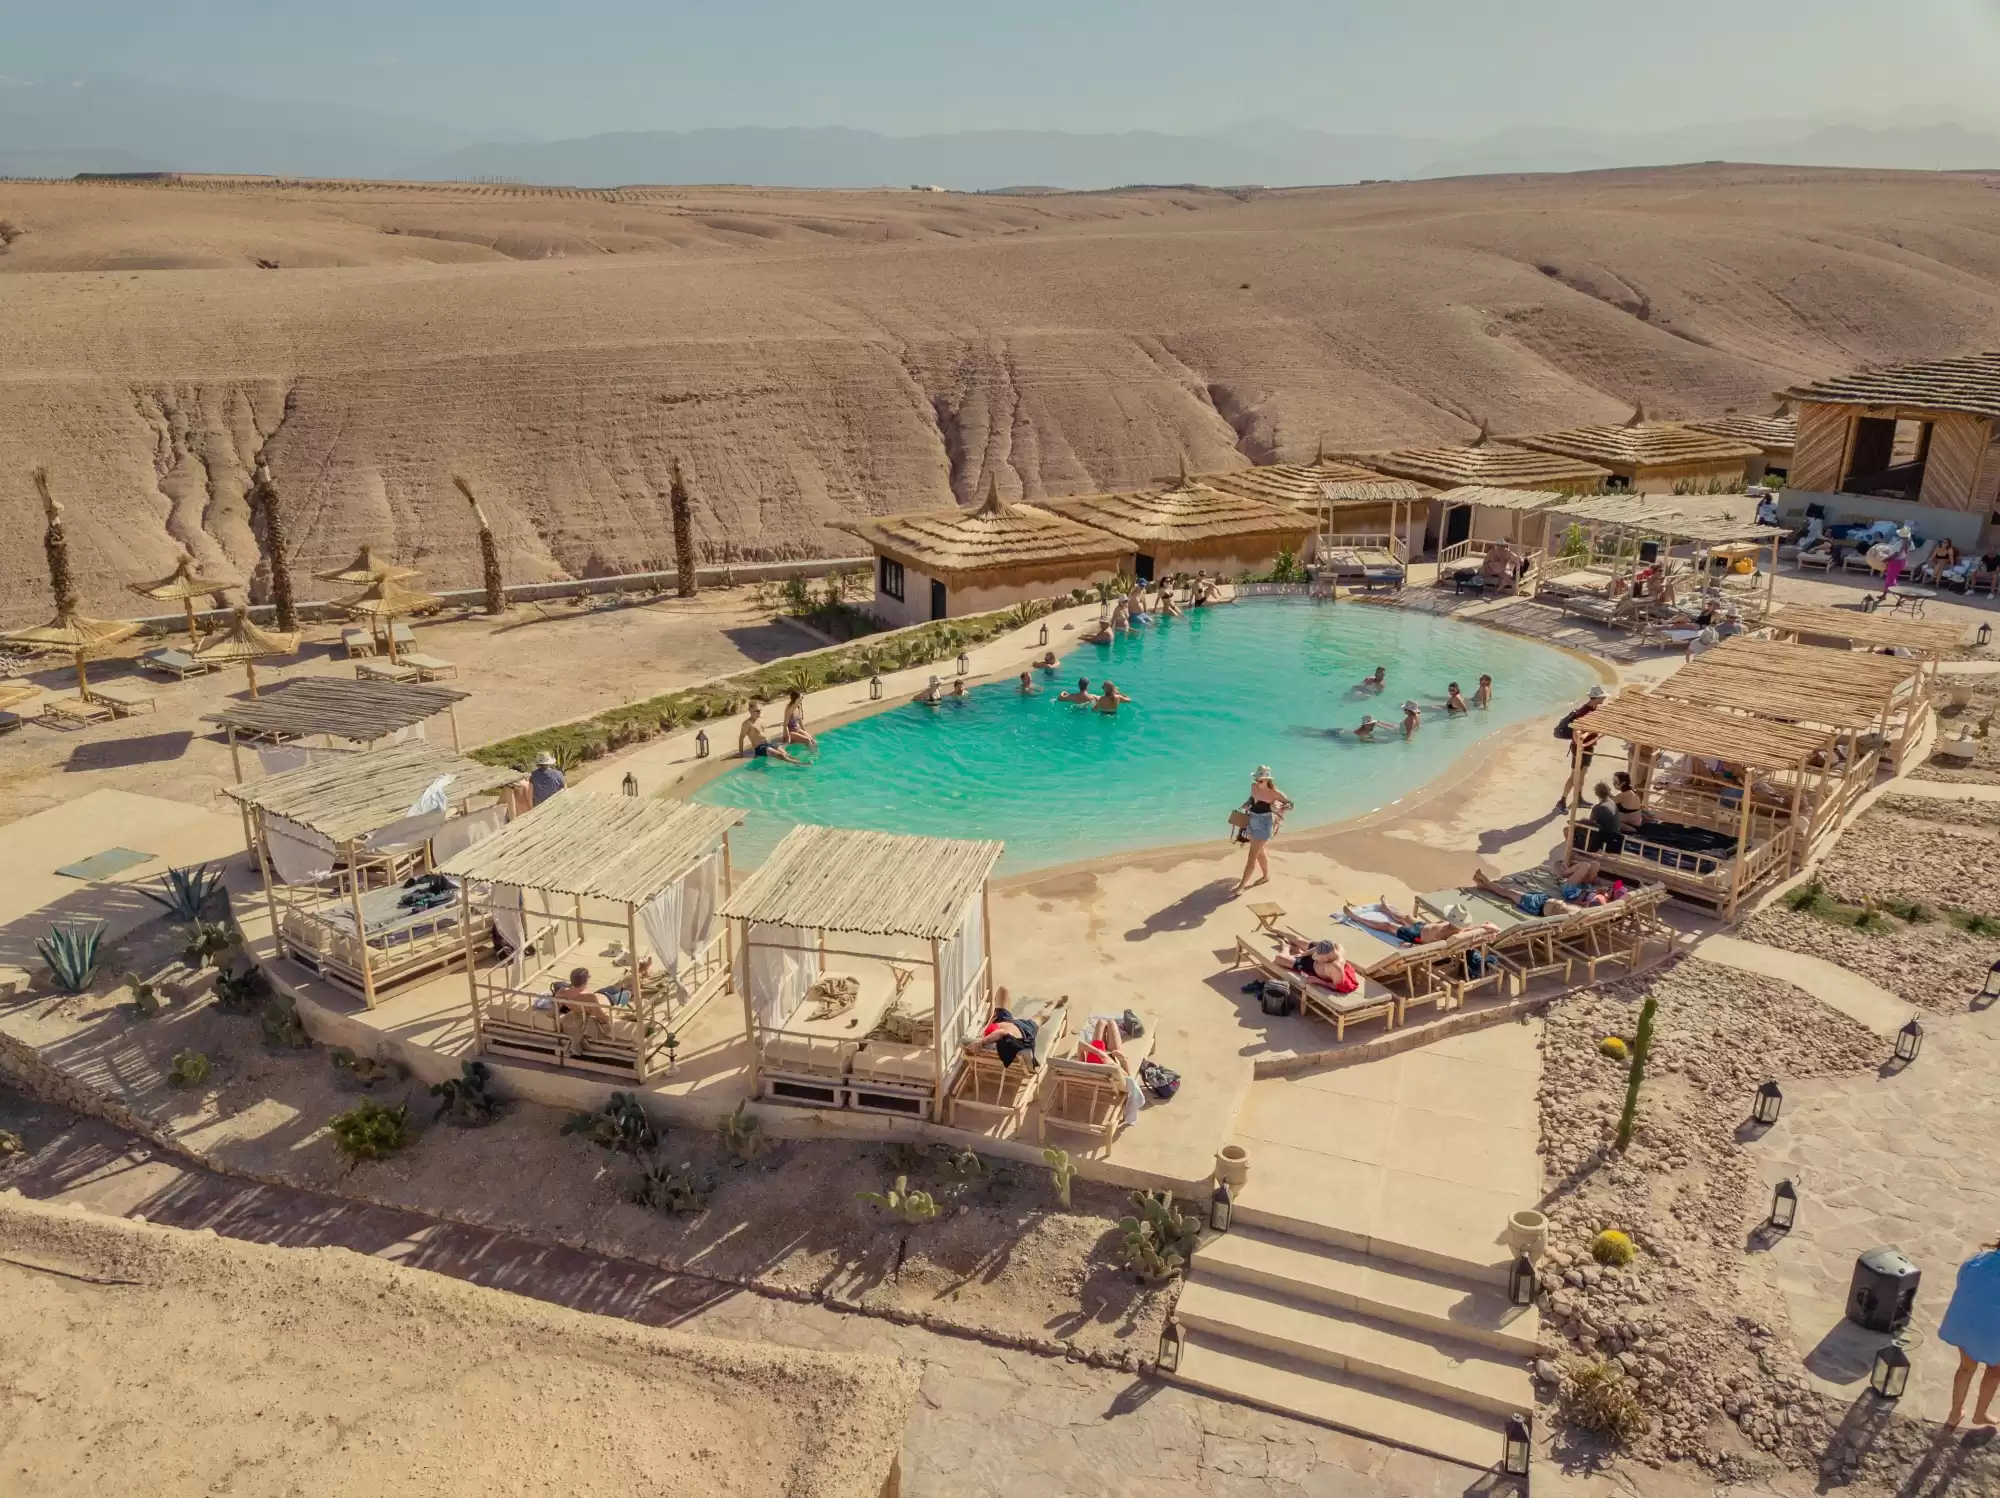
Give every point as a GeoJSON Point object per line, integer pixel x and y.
{"type": "Point", "coordinates": [1868, 630]}
{"type": "Point", "coordinates": [1774, 436]}
{"type": "Point", "coordinates": [1893, 685]}
{"type": "Point", "coordinates": [1188, 527]}
{"type": "Point", "coordinates": [652, 873]}
{"type": "Point", "coordinates": [1727, 795]}
{"type": "Point", "coordinates": [864, 1033]}
{"type": "Point", "coordinates": [352, 714]}
{"type": "Point", "coordinates": [1651, 456]}
{"type": "Point", "coordinates": [1626, 556]}
{"type": "Point", "coordinates": [1721, 546]}
{"type": "Point", "coordinates": [1486, 463]}
{"type": "Point", "coordinates": [1515, 518]}
{"type": "Point", "coordinates": [347, 849]}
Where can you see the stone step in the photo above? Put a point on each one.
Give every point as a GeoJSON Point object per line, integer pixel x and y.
{"type": "Point", "coordinates": [1464, 1240]}
{"type": "Point", "coordinates": [1312, 1391]}
{"type": "Point", "coordinates": [1445, 1368]}
{"type": "Point", "coordinates": [1409, 1295]}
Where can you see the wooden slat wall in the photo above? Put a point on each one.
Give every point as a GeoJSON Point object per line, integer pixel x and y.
{"type": "Point", "coordinates": [1821, 446]}
{"type": "Point", "coordinates": [1986, 492]}
{"type": "Point", "coordinates": [1958, 442]}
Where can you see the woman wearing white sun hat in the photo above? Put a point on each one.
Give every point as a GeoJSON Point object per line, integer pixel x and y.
{"type": "Point", "coordinates": [1581, 743]}
{"type": "Point", "coordinates": [1260, 814]}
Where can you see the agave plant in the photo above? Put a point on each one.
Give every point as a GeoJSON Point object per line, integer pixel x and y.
{"type": "Point", "coordinates": [73, 949]}
{"type": "Point", "coordinates": [187, 892]}
{"type": "Point", "coordinates": [804, 676]}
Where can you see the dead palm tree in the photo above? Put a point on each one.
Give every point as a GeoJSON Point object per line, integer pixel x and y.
{"type": "Point", "coordinates": [275, 551]}
{"type": "Point", "coordinates": [683, 512]}
{"type": "Point", "coordinates": [62, 582]}
{"type": "Point", "coordinates": [489, 552]}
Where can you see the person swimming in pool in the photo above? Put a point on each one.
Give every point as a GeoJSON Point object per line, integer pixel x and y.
{"type": "Point", "coordinates": [1365, 729]}
{"type": "Point", "coordinates": [1080, 695]}
{"type": "Point", "coordinates": [1453, 702]}
{"type": "Point", "coordinates": [1109, 700]}
{"type": "Point", "coordinates": [753, 743]}
{"type": "Point", "coordinates": [1484, 696]}
{"type": "Point", "coordinates": [1047, 663]}
{"type": "Point", "coordinates": [931, 695]}
{"type": "Point", "coordinates": [1413, 717]}
{"type": "Point", "coordinates": [1375, 682]}
{"type": "Point", "coordinates": [1028, 687]}
{"type": "Point", "coordinates": [958, 686]}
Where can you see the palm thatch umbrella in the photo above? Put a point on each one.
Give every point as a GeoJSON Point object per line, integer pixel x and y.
{"type": "Point", "coordinates": [183, 587]}
{"type": "Point", "coordinates": [76, 635]}
{"type": "Point", "coordinates": [242, 643]}
{"type": "Point", "coordinates": [364, 569]}
{"type": "Point", "coordinates": [62, 581]}
{"type": "Point", "coordinates": [386, 601]}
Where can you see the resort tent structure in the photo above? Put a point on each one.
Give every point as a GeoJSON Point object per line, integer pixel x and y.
{"type": "Point", "coordinates": [1189, 527]}
{"type": "Point", "coordinates": [348, 850]}
{"type": "Point", "coordinates": [1652, 457]}
{"type": "Point", "coordinates": [1920, 443]}
{"type": "Point", "coordinates": [1487, 464]}
{"type": "Point", "coordinates": [346, 715]}
{"type": "Point", "coordinates": [1727, 794]}
{"type": "Point", "coordinates": [1360, 517]}
{"type": "Point", "coordinates": [1773, 436]}
{"type": "Point", "coordinates": [654, 873]}
{"type": "Point", "coordinates": [1868, 630]}
{"type": "Point", "coordinates": [849, 1025]}
{"type": "Point", "coordinates": [1515, 517]}
{"type": "Point", "coordinates": [940, 564]}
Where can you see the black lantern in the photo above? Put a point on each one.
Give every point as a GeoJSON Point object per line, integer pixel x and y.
{"type": "Point", "coordinates": [1992, 983]}
{"type": "Point", "coordinates": [964, 663]}
{"type": "Point", "coordinates": [1909, 1041]}
{"type": "Point", "coordinates": [1221, 1207]}
{"type": "Point", "coordinates": [1985, 633]}
{"type": "Point", "coordinates": [1170, 1348]}
{"type": "Point", "coordinates": [875, 687]}
{"type": "Point", "coordinates": [1891, 1373]}
{"type": "Point", "coordinates": [630, 784]}
{"type": "Point", "coordinates": [1514, 1455]}
{"type": "Point", "coordinates": [1521, 1282]}
{"type": "Point", "coordinates": [1784, 1208]}
{"type": "Point", "coordinates": [1043, 638]}
{"type": "Point", "coordinates": [701, 743]}
{"type": "Point", "coordinates": [1770, 1102]}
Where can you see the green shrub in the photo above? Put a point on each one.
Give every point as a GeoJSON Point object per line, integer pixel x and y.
{"type": "Point", "coordinates": [1595, 1396]}
{"type": "Point", "coordinates": [367, 1070]}
{"type": "Point", "coordinates": [465, 1098]}
{"type": "Point", "coordinates": [620, 1125]}
{"type": "Point", "coordinates": [73, 950]}
{"type": "Point", "coordinates": [372, 1131]}
{"type": "Point", "coordinates": [1613, 1247]}
{"type": "Point", "coordinates": [190, 1069]}
{"type": "Point", "coordinates": [905, 1205]}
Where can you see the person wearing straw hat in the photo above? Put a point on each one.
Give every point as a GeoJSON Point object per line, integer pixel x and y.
{"type": "Point", "coordinates": [1581, 744]}
{"type": "Point", "coordinates": [1413, 716]}
{"type": "Point", "coordinates": [1365, 729]}
{"type": "Point", "coordinates": [1257, 823]}
{"type": "Point", "coordinates": [1897, 560]}
{"type": "Point", "coordinates": [545, 779]}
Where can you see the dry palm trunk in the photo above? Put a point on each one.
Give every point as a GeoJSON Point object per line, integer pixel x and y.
{"type": "Point", "coordinates": [62, 581]}
{"type": "Point", "coordinates": [489, 553]}
{"type": "Point", "coordinates": [683, 512]}
{"type": "Point", "coordinates": [275, 552]}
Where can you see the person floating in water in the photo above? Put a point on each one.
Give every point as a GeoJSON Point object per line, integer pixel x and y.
{"type": "Point", "coordinates": [1374, 682]}
{"type": "Point", "coordinates": [1453, 702]}
{"type": "Point", "coordinates": [1081, 694]}
{"type": "Point", "coordinates": [1047, 662]}
{"type": "Point", "coordinates": [1108, 702]}
{"type": "Point", "coordinates": [1484, 696]}
{"type": "Point", "coordinates": [753, 743]}
{"type": "Point", "coordinates": [1365, 730]}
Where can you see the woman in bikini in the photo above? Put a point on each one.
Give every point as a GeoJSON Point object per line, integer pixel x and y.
{"type": "Point", "coordinates": [1454, 702]}
{"type": "Point", "coordinates": [1484, 696]}
{"type": "Point", "coordinates": [795, 720]}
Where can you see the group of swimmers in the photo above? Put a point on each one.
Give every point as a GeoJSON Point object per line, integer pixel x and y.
{"type": "Point", "coordinates": [1154, 601]}
{"type": "Point", "coordinates": [1103, 700]}
{"type": "Point", "coordinates": [1455, 702]}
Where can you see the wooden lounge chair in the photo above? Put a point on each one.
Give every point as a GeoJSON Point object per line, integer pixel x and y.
{"type": "Point", "coordinates": [175, 663]}
{"type": "Point", "coordinates": [10, 721]}
{"type": "Point", "coordinates": [1814, 556]}
{"type": "Point", "coordinates": [125, 698]}
{"type": "Point", "coordinates": [384, 670]}
{"type": "Point", "coordinates": [357, 643]}
{"type": "Point", "coordinates": [999, 1096]}
{"type": "Point", "coordinates": [430, 667]}
{"type": "Point", "coordinates": [1087, 1098]}
{"type": "Point", "coordinates": [1317, 1000]}
{"type": "Point", "coordinates": [809, 1069]}
{"type": "Point", "coordinates": [74, 712]}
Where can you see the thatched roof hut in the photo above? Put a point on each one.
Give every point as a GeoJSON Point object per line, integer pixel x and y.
{"type": "Point", "coordinates": [1190, 523]}
{"type": "Point", "coordinates": [1499, 465]}
{"type": "Point", "coordinates": [1774, 435]}
{"type": "Point", "coordinates": [1649, 454]}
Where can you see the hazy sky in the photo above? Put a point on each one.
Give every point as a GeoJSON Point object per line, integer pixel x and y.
{"type": "Point", "coordinates": [1445, 67]}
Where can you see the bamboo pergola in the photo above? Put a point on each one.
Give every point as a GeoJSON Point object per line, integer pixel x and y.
{"type": "Point", "coordinates": [1765, 816]}
{"type": "Point", "coordinates": [334, 842]}
{"type": "Point", "coordinates": [1527, 526]}
{"type": "Point", "coordinates": [358, 713]}
{"type": "Point", "coordinates": [654, 868]}
{"type": "Point", "coordinates": [1870, 631]}
{"type": "Point", "coordinates": [924, 890]}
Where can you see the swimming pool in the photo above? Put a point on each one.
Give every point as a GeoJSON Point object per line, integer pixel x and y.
{"type": "Point", "coordinates": [1214, 695]}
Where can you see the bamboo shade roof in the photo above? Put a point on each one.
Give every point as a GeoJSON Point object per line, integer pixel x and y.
{"type": "Point", "coordinates": [1708, 682]}
{"type": "Point", "coordinates": [1774, 434]}
{"type": "Point", "coordinates": [74, 633]}
{"type": "Point", "coordinates": [996, 536]}
{"type": "Point", "coordinates": [1487, 498]}
{"type": "Point", "coordinates": [353, 795]}
{"type": "Point", "coordinates": [1312, 485]}
{"type": "Point", "coordinates": [876, 883]}
{"type": "Point", "coordinates": [1659, 723]}
{"type": "Point", "coordinates": [1496, 463]}
{"type": "Point", "coordinates": [1640, 444]}
{"type": "Point", "coordinates": [605, 847]}
{"type": "Point", "coordinates": [1970, 383]}
{"type": "Point", "coordinates": [1635, 511]}
{"type": "Point", "coordinates": [244, 641]}
{"type": "Point", "coordinates": [12, 692]}
{"type": "Point", "coordinates": [364, 569]}
{"type": "Point", "coordinates": [358, 711]}
{"type": "Point", "coordinates": [1185, 513]}
{"type": "Point", "coordinates": [181, 585]}
{"type": "Point", "coordinates": [1833, 670]}
{"type": "Point", "coordinates": [1873, 630]}
{"type": "Point", "coordinates": [1718, 532]}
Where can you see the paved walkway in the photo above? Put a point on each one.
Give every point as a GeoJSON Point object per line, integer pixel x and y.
{"type": "Point", "coordinates": [1829, 982]}
{"type": "Point", "coordinates": [1945, 790]}
{"type": "Point", "coordinates": [988, 1422]}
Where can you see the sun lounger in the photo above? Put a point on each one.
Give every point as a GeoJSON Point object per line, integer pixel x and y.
{"type": "Point", "coordinates": [987, 1094]}
{"type": "Point", "coordinates": [383, 670]}
{"type": "Point", "coordinates": [175, 663]}
{"type": "Point", "coordinates": [1087, 1098]}
{"type": "Point", "coordinates": [1317, 999]}
{"type": "Point", "coordinates": [1816, 556]}
{"type": "Point", "coordinates": [10, 721]}
{"type": "Point", "coordinates": [125, 698]}
{"type": "Point", "coordinates": [430, 667]}
{"type": "Point", "coordinates": [74, 712]}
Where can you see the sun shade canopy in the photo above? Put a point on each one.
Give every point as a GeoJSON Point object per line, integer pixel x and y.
{"type": "Point", "coordinates": [995, 537]}
{"type": "Point", "coordinates": [1496, 463]}
{"type": "Point", "coordinates": [603, 847]}
{"type": "Point", "coordinates": [357, 711]}
{"type": "Point", "coordinates": [874, 883]}
{"type": "Point", "coordinates": [1646, 444]}
{"type": "Point", "coordinates": [1876, 630]}
{"type": "Point", "coordinates": [354, 795]}
{"type": "Point", "coordinates": [1658, 723]}
{"type": "Point", "coordinates": [1186, 513]}
{"type": "Point", "coordinates": [1971, 383]}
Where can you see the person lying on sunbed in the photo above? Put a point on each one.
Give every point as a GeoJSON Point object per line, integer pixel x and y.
{"type": "Point", "coordinates": [1103, 1045]}
{"type": "Point", "coordinates": [1010, 1036]}
{"type": "Point", "coordinates": [1324, 961]}
{"type": "Point", "coordinates": [1571, 898]}
{"type": "Point", "coordinates": [1411, 931]}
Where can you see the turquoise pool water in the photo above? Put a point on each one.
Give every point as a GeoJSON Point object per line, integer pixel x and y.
{"type": "Point", "coordinates": [1214, 695]}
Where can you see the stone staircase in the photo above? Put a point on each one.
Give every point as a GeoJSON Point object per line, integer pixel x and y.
{"type": "Point", "coordinates": [1399, 1345]}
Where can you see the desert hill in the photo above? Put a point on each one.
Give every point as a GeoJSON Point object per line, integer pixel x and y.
{"type": "Point", "coordinates": [807, 355]}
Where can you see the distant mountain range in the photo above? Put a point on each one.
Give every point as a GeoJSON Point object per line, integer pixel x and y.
{"type": "Point", "coordinates": [127, 125]}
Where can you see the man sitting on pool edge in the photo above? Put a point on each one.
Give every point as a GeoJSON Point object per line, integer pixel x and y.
{"type": "Point", "coordinates": [751, 742]}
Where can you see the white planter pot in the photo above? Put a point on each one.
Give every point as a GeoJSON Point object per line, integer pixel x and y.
{"type": "Point", "coordinates": [1232, 1165]}
{"type": "Point", "coordinates": [1528, 1233]}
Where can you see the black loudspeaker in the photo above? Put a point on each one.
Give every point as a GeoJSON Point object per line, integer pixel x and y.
{"type": "Point", "coordinates": [1883, 1291]}
{"type": "Point", "coordinates": [1649, 553]}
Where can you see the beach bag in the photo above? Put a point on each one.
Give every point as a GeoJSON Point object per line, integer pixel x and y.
{"type": "Point", "coordinates": [1159, 1080]}
{"type": "Point", "coordinates": [1279, 999]}
{"type": "Point", "coordinates": [1130, 1025]}
{"type": "Point", "coordinates": [1239, 819]}
{"type": "Point", "coordinates": [1566, 726]}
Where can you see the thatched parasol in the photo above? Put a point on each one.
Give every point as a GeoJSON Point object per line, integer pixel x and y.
{"type": "Point", "coordinates": [386, 602]}
{"type": "Point", "coordinates": [364, 569]}
{"type": "Point", "coordinates": [183, 587]}
{"type": "Point", "coordinates": [77, 636]}
{"type": "Point", "coordinates": [243, 643]}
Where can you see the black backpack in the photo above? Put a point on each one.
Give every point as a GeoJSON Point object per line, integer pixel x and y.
{"type": "Point", "coordinates": [1279, 999]}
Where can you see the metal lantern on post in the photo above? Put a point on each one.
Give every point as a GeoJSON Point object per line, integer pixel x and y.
{"type": "Point", "coordinates": [1985, 633]}
{"type": "Point", "coordinates": [1784, 1208]}
{"type": "Point", "coordinates": [1514, 1455]}
{"type": "Point", "coordinates": [964, 663]}
{"type": "Point", "coordinates": [1043, 638]}
{"type": "Point", "coordinates": [701, 743]}
{"type": "Point", "coordinates": [1521, 1281]}
{"type": "Point", "coordinates": [1992, 988]}
{"type": "Point", "coordinates": [1221, 1207]}
{"type": "Point", "coordinates": [1769, 1104]}
{"type": "Point", "coordinates": [1891, 1374]}
{"type": "Point", "coordinates": [875, 687]}
{"type": "Point", "coordinates": [630, 784]}
{"type": "Point", "coordinates": [1171, 1342]}
{"type": "Point", "coordinates": [1909, 1041]}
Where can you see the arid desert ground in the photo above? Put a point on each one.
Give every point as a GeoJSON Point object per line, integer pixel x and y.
{"type": "Point", "coordinates": [809, 355]}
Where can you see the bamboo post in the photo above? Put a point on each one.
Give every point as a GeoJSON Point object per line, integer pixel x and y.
{"type": "Point", "coordinates": [251, 668]}
{"type": "Point", "coordinates": [641, 1006]}
{"type": "Point", "coordinates": [235, 756]}
{"type": "Point", "coordinates": [986, 932]}
{"type": "Point", "coordinates": [472, 963]}
{"type": "Point", "coordinates": [264, 870]}
{"type": "Point", "coordinates": [937, 1031]}
{"type": "Point", "coordinates": [451, 712]}
{"type": "Point", "coordinates": [1742, 845]}
{"type": "Point", "coordinates": [749, 1011]}
{"type": "Point", "coordinates": [82, 679]}
{"type": "Point", "coordinates": [1798, 857]}
{"type": "Point", "coordinates": [360, 928]}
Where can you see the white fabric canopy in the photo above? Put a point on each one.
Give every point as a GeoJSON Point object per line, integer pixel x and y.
{"type": "Point", "coordinates": [958, 969]}
{"type": "Point", "coordinates": [298, 854]}
{"type": "Point", "coordinates": [406, 832]}
{"type": "Point", "coordinates": [680, 920]}
{"type": "Point", "coordinates": [784, 963]}
{"type": "Point", "coordinates": [461, 833]}
{"type": "Point", "coordinates": [513, 911]}
{"type": "Point", "coordinates": [660, 919]}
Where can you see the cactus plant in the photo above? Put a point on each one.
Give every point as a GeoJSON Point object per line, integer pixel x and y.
{"type": "Point", "coordinates": [283, 1029]}
{"type": "Point", "coordinates": [967, 1165]}
{"type": "Point", "coordinates": [900, 1202]}
{"type": "Point", "coordinates": [1061, 1171]}
{"type": "Point", "coordinates": [620, 1124]}
{"type": "Point", "coordinates": [1157, 1244]}
{"type": "Point", "coordinates": [190, 1069]}
{"type": "Point", "coordinates": [186, 892]}
{"type": "Point", "coordinates": [667, 1189]}
{"type": "Point", "coordinates": [1642, 1043]}
{"type": "Point", "coordinates": [73, 949]}
{"type": "Point", "coordinates": [239, 993]}
{"type": "Point", "coordinates": [1614, 1047]}
{"type": "Point", "coordinates": [208, 940]}
{"type": "Point", "coordinates": [742, 1133]}
{"type": "Point", "coordinates": [10, 1142]}
{"type": "Point", "coordinates": [145, 996]}
{"type": "Point", "coordinates": [464, 1099]}
{"type": "Point", "coordinates": [372, 1131]}
{"type": "Point", "coordinates": [1613, 1247]}
{"type": "Point", "coordinates": [367, 1070]}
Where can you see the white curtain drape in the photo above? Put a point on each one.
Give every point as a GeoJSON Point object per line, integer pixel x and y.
{"type": "Point", "coordinates": [433, 798]}
{"type": "Point", "coordinates": [463, 832]}
{"type": "Point", "coordinates": [660, 919]}
{"type": "Point", "coordinates": [298, 854]}
{"type": "Point", "coordinates": [784, 963]}
{"type": "Point", "coordinates": [405, 832]}
{"type": "Point", "coordinates": [519, 915]}
{"type": "Point", "coordinates": [700, 904]}
{"type": "Point", "coordinates": [958, 966]}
